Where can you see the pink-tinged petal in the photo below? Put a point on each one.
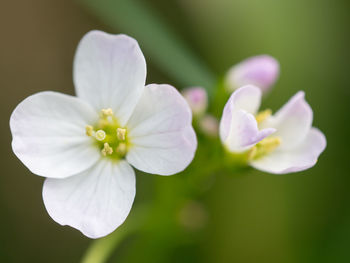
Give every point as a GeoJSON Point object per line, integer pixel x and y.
{"type": "Point", "coordinates": [197, 99]}
{"type": "Point", "coordinates": [301, 157]}
{"type": "Point", "coordinates": [244, 132]}
{"type": "Point", "coordinates": [48, 134]}
{"type": "Point", "coordinates": [163, 140]}
{"type": "Point", "coordinates": [261, 71]}
{"type": "Point", "coordinates": [292, 121]}
{"type": "Point", "coordinates": [110, 72]}
{"type": "Point", "coordinates": [95, 201]}
{"type": "Point", "coordinates": [247, 98]}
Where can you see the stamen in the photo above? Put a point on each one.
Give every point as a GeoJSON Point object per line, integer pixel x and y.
{"type": "Point", "coordinates": [107, 150]}
{"type": "Point", "coordinates": [121, 149]}
{"type": "Point", "coordinates": [263, 115]}
{"type": "Point", "coordinates": [100, 135]}
{"type": "Point", "coordinates": [110, 138]}
{"type": "Point", "coordinates": [252, 153]}
{"type": "Point", "coordinates": [107, 112]}
{"type": "Point", "coordinates": [102, 123]}
{"type": "Point", "coordinates": [270, 144]}
{"type": "Point", "coordinates": [89, 130]}
{"type": "Point", "coordinates": [121, 134]}
{"type": "Point", "coordinates": [264, 147]}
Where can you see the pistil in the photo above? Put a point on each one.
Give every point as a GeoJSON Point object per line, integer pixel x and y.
{"type": "Point", "coordinates": [100, 135]}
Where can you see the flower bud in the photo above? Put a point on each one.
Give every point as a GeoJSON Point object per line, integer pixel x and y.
{"type": "Point", "coordinates": [197, 98]}
{"type": "Point", "coordinates": [209, 125]}
{"type": "Point", "coordinates": [261, 71]}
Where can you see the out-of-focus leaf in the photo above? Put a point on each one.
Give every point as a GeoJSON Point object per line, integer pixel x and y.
{"type": "Point", "coordinates": [163, 47]}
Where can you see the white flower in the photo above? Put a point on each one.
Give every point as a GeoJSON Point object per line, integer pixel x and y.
{"type": "Point", "coordinates": [281, 143]}
{"type": "Point", "coordinates": [84, 145]}
{"type": "Point", "coordinates": [261, 71]}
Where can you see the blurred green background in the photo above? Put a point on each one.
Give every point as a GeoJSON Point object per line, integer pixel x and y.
{"type": "Point", "coordinates": [303, 217]}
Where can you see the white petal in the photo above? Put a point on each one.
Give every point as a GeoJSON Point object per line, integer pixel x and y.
{"type": "Point", "coordinates": [247, 98]}
{"type": "Point", "coordinates": [48, 131]}
{"type": "Point", "coordinates": [95, 201]}
{"type": "Point", "coordinates": [110, 72]}
{"type": "Point", "coordinates": [292, 121]}
{"type": "Point", "coordinates": [300, 158]}
{"type": "Point", "coordinates": [244, 132]}
{"type": "Point", "coordinates": [163, 140]}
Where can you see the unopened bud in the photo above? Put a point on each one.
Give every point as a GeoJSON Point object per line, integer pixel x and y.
{"type": "Point", "coordinates": [209, 125]}
{"type": "Point", "coordinates": [197, 99]}
{"type": "Point", "coordinates": [261, 71]}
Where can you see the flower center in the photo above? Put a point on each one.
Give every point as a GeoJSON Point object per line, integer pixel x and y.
{"type": "Point", "coordinates": [262, 148]}
{"type": "Point", "coordinates": [109, 136]}
{"type": "Point", "coordinates": [266, 145]}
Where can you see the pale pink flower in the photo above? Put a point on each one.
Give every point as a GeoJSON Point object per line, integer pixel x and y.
{"type": "Point", "coordinates": [281, 143]}
{"type": "Point", "coordinates": [197, 98]}
{"type": "Point", "coordinates": [261, 71]}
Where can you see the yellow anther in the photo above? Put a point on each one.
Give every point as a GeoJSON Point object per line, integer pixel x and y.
{"type": "Point", "coordinates": [107, 150]}
{"type": "Point", "coordinates": [121, 149]}
{"type": "Point", "coordinates": [121, 134]}
{"type": "Point", "coordinates": [100, 135]}
{"type": "Point", "coordinates": [270, 144]}
{"type": "Point", "coordinates": [264, 147]}
{"type": "Point", "coordinates": [107, 112]}
{"type": "Point", "coordinates": [89, 130]}
{"type": "Point", "coordinates": [252, 153]}
{"type": "Point", "coordinates": [102, 123]}
{"type": "Point", "coordinates": [263, 115]}
{"type": "Point", "coordinates": [108, 135]}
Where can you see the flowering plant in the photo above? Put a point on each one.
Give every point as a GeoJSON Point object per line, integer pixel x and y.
{"type": "Point", "coordinates": [86, 146]}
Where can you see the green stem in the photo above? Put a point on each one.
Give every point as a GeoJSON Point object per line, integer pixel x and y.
{"type": "Point", "coordinates": [101, 249]}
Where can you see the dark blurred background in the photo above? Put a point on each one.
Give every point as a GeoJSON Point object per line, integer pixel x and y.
{"type": "Point", "coordinates": [303, 217]}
